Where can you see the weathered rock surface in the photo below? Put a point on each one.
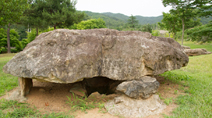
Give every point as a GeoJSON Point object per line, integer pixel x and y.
{"type": "Point", "coordinates": [133, 108]}
{"type": "Point", "coordinates": [16, 95]}
{"type": "Point", "coordinates": [68, 56]}
{"type": "Point", "coordinates": [142, 88]}
{"type": "Point", "coordinates": [196, 52]}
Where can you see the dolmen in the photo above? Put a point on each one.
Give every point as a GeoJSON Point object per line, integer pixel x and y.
{"type": "Point", "coordinates": [104, 60]}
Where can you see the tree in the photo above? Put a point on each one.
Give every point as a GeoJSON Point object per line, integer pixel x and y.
{"type": "Point", "coordinates": [32, 17]}
{"type": "Point", "coordinates": [132, 21]}
{"type": "Point", "coordinates": [13, 40]}
{"type": "Point", "coordinates": [61, 13]}
{"type": "Point", "coordinates": [90, 24]}
{"type": "Point", "coordinates": [10, 12]}
{"type": "Point", "coordinates": [171, 23]}
{"type": "Point", "coordinates": [184, 9]}
{"type": "Point", "coordinates": [201, 33]}
{"type": "Point", "coordinates": [147, 28]}
{"type": "Point", "coordinates": [55, 13]}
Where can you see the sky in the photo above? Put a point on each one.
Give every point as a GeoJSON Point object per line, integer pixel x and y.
{"type": "Point", "coordinates": [126, 7]}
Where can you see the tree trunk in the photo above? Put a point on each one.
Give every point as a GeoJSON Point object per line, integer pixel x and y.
{"type": "Point", "coordinates": [183, 25]}
{"type": "Point", "coordinates": [174, 36]}
{"type": "Point", "coordinates": [8, 39]}
{"type": "Point", "coordinates": [55, 27]}
{"type": "Point", "coordinates": [36, 31]}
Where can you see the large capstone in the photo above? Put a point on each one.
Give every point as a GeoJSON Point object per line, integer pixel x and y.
{"type": "Point", "coordinates": [68, 56]}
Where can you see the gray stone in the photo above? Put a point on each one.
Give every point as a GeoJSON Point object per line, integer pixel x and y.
{"type": "Point", "coordinates": [16, 95]}
{"type": "Point", "coordinates": [142, 88]}
{"type": "Point", "coordinates": [25, 85]}
{"type": "Point", "coordinates": [135, 108]}
{"type": "Point", "coordinates": [42, 90]}
{"type": "Point", "coordinates": [68, 56]}
{"type": "Point", "coordinates": [196, 52]}
{"type": "Point", "coordinates": [185, 47]}
{"type": "Point", "coordinates": [77, 89]}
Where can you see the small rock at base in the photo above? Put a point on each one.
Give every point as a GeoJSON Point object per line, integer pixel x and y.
{"type": "Point", "coordinates": [42, 90]}
{"type": "Point", "coordinates": [142, 88]}
{"type": "Point", "coordinates": [133, 108]}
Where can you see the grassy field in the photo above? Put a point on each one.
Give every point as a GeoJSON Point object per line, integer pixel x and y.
{"type": "Point", "coordinates": [196, 77]}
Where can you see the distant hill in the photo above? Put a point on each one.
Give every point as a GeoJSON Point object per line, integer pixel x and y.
{"type": "Point", "coordinates": [111, 22]}
{"type": "Point", "coordinates": [115, 20]}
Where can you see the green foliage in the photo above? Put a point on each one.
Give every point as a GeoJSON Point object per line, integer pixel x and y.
{"type": "Point", "coordinates": [155, 33]}
{"type": "Point", "coordinates": [80, 103]}
{"type": "Point", "coordinates": [30, 37]}
{"type": "Point", "coordinates": [55, 13]}
{"type": "Point", "coordinates": [188, 11]}
{"type": "Point", "coordinates": [7, 82]}
{"type": "Point", "coordinates": [201, 33]}
{"type": "Point", "coordinates": [110, 21]}
{"type": "Point", "coordinates": [170, 22]}
{"type": "Point", "coordinates": [132, 22]}
{"type": "Point", "coordinates": [14, 42]}
{"type": "Point", "coordinates": [11, 10]}
{"type": "Point", "coordinates": [196, 102]}
{"type": "Point", "coordinates": [84, 103]}
{"type": "Point", "coordinates": [168, 101]}
{"type": "Point", "coordinates": [90, 24]}
{"type": "Point", "coordinates": [147, 28]}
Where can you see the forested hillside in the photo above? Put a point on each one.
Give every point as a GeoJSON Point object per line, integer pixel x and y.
{"type": "Point", "coordinates": [111, 22]}
{"type": "Point", "coordinates": [114, 20]}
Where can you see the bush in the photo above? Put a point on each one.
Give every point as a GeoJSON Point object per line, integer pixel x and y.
{"type": "Point", "coordinates": [90, 24]}
{"type": "Point", "coordinates": [3, 50]}
{"type": "Point", "coordinates": [14, 50]}
{"type": "Point", "coordinates": [14, 42]}
{"type": "Point", "coordinates": [155, 33]}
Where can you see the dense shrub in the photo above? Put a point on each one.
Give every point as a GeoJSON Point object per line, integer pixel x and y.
{"type": "Point", "coordinates": [90, 24]}
{"type": "Point", "coordinates": [155, 33]}
{"type": "Point", "coordinates": [14, 42]}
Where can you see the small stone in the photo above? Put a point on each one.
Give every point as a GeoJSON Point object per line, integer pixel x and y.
{"type": "Point", "coordinates": [196, 52]}
{"type": "Point", "coordinates": [16, 95]}
{"type": "Point", "coordinates": [78, 90]}
{"type": "Point", "coordinates": [185, 47]}
{"type": "Point", "coordinates": [42, 90]}
{"type": "Point", "coordinates": [142, 88]}
{"type": "Point", "coordinates": [133, 108]}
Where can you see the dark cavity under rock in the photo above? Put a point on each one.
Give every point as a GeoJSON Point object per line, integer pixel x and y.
{"type": "Point", "coordinates": [102, 85]}
{"type": "Point", "coordinates": [142, 88]}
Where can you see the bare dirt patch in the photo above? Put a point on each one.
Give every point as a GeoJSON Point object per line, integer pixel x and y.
{"type": "Point", "coordinates": [52, 97]}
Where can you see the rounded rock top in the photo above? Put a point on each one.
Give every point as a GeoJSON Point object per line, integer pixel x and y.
{"type": "Point", "coordinates": [68, 56]}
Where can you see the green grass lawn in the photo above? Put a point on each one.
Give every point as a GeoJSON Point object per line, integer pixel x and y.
{"type": "Point", "coordinates": [196, 76]}
{"type": "Point", "coordinates": [7, 82]}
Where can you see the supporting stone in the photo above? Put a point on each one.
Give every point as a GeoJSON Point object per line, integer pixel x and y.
{"type": "Point", "coordinates": [25, 85]}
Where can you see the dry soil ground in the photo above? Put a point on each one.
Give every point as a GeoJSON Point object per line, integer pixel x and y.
{"type": "Point", "coordinates": [52, 97]}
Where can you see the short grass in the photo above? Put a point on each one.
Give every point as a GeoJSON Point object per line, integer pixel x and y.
{"type": "Point", "coordinates": [84, 103]}
{"type": "Point", "coordinates": [196, 77]}
{"type": "Point", "coordinates": [193, 45]}
{"type": "Point", "coordinates": [7, 82]}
